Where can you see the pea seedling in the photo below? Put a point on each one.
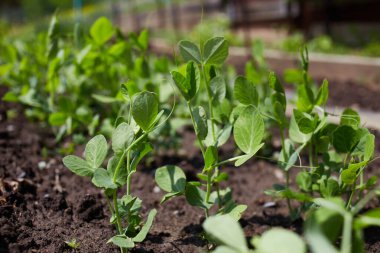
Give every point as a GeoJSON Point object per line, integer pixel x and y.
{"type": "Point", "coordinates": [212, 127]}
{"type": "Point", "coordinates": [344, 149]}
{"type": "Point", "coordinates": [129, 146]}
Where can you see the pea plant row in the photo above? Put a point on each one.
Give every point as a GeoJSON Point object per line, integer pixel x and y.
{"type": "Point", "coordinates": [107, 85]}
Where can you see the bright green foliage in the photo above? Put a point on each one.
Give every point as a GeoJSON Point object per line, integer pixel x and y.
{"type": "Point", "coordinates": [214, 52]}
{"type": "Point", "coordinates": [129, 144]}
{"type": "Point", "coordinates": [213, 121]}
{"type": "Point", "coordinates": [245, 92]}
{"type": "Point", "coordinates": [227, 233]}
{"type": "Point", "coordinates": [102, 30]}
{"type": "Point", "coordinates": [188, 85]}
{"type": "Point", "coordinates": [73, 244]}
{"type": "Point", "coordinates": [62, 75]}
{"type": "Point", "coordinates": [226, 230]}
{"type": "Point", "coordinates": [344, 149]}
{"type": "Point", "coordinates": [145, 109]}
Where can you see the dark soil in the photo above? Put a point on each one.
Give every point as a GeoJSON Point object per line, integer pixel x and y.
{"type": "Point", "coordinates": [41, 208]}
{"type": "Point", "coordinates": [352, 94]}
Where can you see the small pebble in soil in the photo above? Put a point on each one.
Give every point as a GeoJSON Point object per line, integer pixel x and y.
{"type": "Point", "coordinates": [10, 128]}
{"type": "Point", "coordinates": [156, 189]}
{"type": "Point", "coordinates": [269, 204]}
{"type": "Point", "coordinates": [279, 174]}
{"type": "Point", "coordinates": [42, 165]}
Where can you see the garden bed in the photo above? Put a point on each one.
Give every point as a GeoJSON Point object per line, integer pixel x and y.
{"type": "Point", "coordinates": [42, 207]}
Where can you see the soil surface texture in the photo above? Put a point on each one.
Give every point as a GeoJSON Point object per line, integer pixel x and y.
{"type": "Point", "coordinates": [43, 204]}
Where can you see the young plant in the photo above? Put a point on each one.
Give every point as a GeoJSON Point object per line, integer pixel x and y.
{"type": "Point", "coordinates": [73, 244]}
{"type": "Point", "coordinates": [213, 124]}
{"type": "Point", "coordinates": [344, 149]}
{"type": "Point", "coordinates": [62, 75]}
{"type": "Point", "coordinates": [331, 221]}
{"type": "Point", "coordinates": [327, 223]}
{"type": "Point", "coordinates": [129, 145]}
{"type": "Point", "coordinates": [227, 233]}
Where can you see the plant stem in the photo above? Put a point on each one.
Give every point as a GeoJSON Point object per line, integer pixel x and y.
{"type": "Point", "coordinates": [348, 206]}
{"type": "Point", "coordinates": [196, 129]}
{"type": "Point", "coordinates": [346, 236]}
{"type": "Point", "coordinates": [117, 170]}
{"type": "Point", "coordinates": [206, 213]}
{"type": "Point", "coordinates": [218, 193]}
{"type": "Point", "coordinates": [311, 154]}
{"type": "Point", "coordinates": [208, 190]}
{"type": "Point", "coordinates": [211, 111]}
{"type": "Point", "coordinates": [287, 198]}
{"type": "Point", "coordinates": [286, 171]}
{"type": "Point", "coordinates": [229, 160]}
{"type": "Point", "coordinates": [118, 222]}
{"type": "Point", "coordinates": [129, 174]}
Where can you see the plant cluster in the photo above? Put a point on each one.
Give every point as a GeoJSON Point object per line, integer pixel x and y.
{"type": "Point", "coordinates": [129, 145]}
{"type": "Point", "coordinates": [75, 82]}
{"type": "Point", "coordinates": [71, 80]}
{"type": "Point", "coordinates": [213, 124]}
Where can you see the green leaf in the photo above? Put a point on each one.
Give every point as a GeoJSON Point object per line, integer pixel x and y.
{"type": "Point", "coordinates": [350, 117]}
{"type": "Point", "coordinates": [138, 154]}
{"type": "Point", "coordinates": [323, 93]}
{"type": "Point", "coordinates": [9, 96]}
{"type": "Point", "coordinates": [334, 204]}
{"type": "Point", "coordinates": [370, 218]}
{"type": "Point", "coordinates": [102, 30]}
{"type": "Point", "coordinates": [170, 195]}
{"type": "Point", "coordinates": [122, 137]}
{"type": "Point", "coordinates": [78, 166]}
{"type": "Point", "coordinates": [288, 155]}
{"type": "Point", "coordinates": [329, 188]}
{"type": "Point", "coordinates": [275, 84]}
{"type": "Point", "coordinates": [227, 231]}
{"type": "Point", "coordinates": [121, 178]}
{"type": "Point", "coordinates": [224, 249]}
{"type": "Point", "coordinates": [211, 157]}
{"type": "Point", "coordinates": [245, 91]}
{"type": "Point", "coordinates": [57, 118]}
{"type": "Point", "coordinates": [143, 40]}
{"type": "Point", "coordinates": [103, 179]}
{"type": "Point", "coordinates": [305, 102]}
{"type": "Point", "coordinates": [218, 89]}
{"type": "Point", "coordinates": [316, 238]}
{"type": "Point", "coordinates": [249, 130]}
{"type": "Point", "coordinates": [200, 119]}
{"type": "Point", "coordinates": [345, 138]}
{"type": "Point", "coordinates": [215, 51]}
{"type": "Point", "coordinates": [304, 181]}
{"type": "Point", "coordinates": [129, 89]}
{"type": "Point", "coordinates": [366, 146]}
{"type": "Point", "coordinates": [171, 178]}
{"type": "Point", "coordinates": [196, 196]}
{"type": "Point", "coordinates": [234, 210]}
{"type": "Point", "coordinates": [189, 85]}
{"type": "Point", "coordinates": [246, 157]}
{"type": "Point", "coordinates": [295, 134]}
{"type": "Point", "coordinates": [223, 135]}
{"type": "Point", "coordinates": [279, 114]}
{"type": "Point", "coordinates": [122, 241]}
{"type": "Point", "coordinates": [105, 99]}
{"type": "Point", "coordinates": [349, 175]}
{"type": "Point", "coordinates": [145, 229]}
{"type": "Point", "coordinates": [96, 151]}
{"type": "Point", "coordinates": [274, 238]}
{"type": "Point", "coordinates": [145, 109]}
{"type": "Point", "coordinates": [306, 124]}
{"type": "Point", "coordinates": [190, 51]}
